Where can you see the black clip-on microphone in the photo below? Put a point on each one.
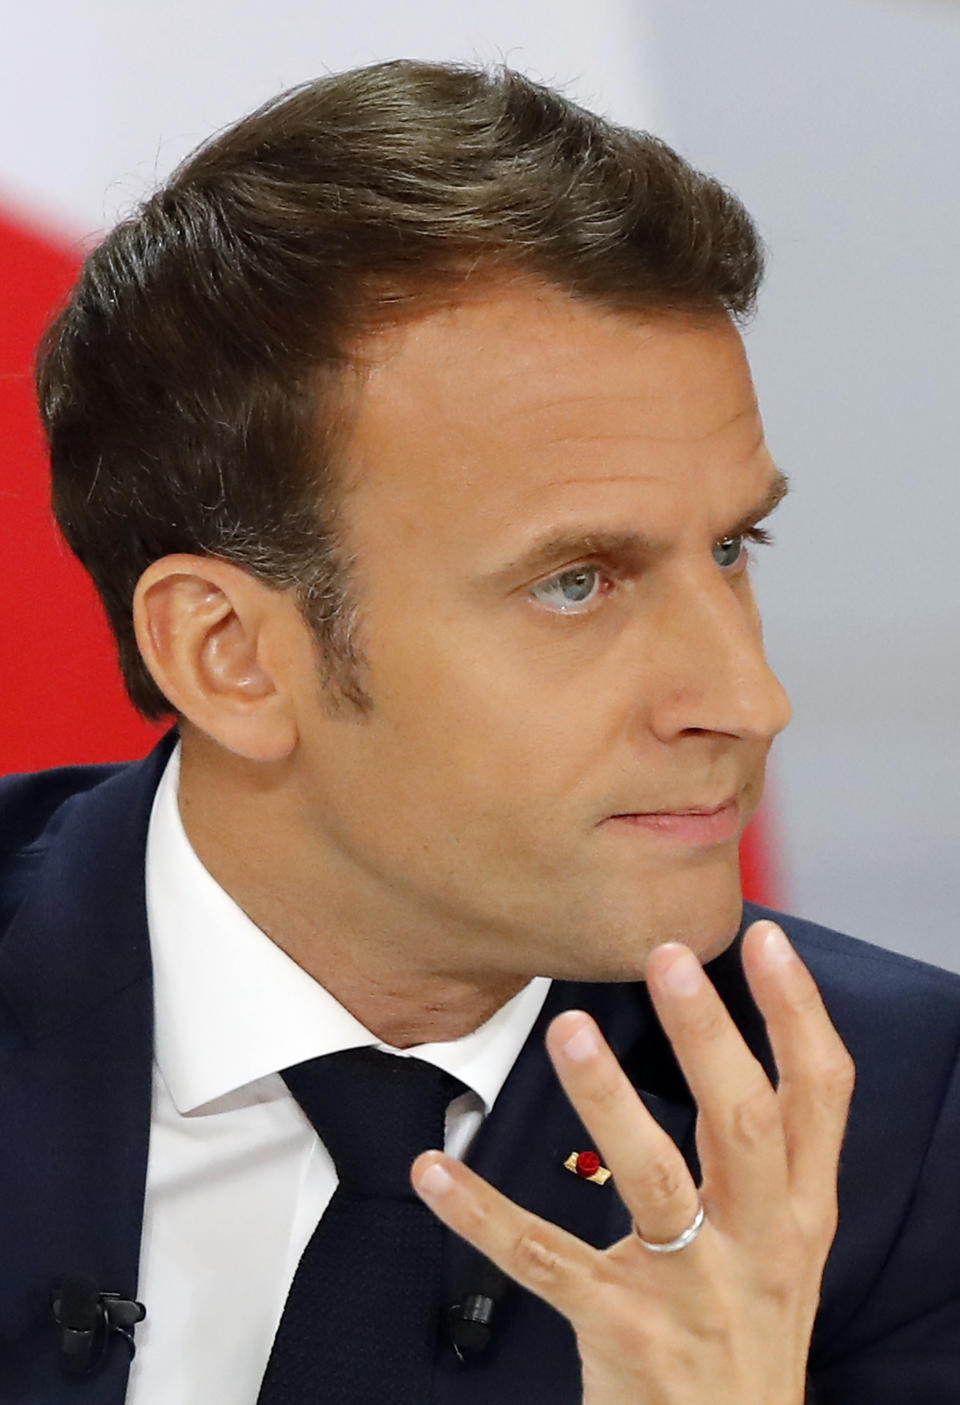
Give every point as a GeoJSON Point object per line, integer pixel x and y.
{"type": "Point", "coordinates": [87, 1321]}
{"type": "Point", "coordinates": [470, 1322]}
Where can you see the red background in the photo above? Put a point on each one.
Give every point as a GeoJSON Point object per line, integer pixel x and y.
{"type": "Point", "coordinates": [62, 697]}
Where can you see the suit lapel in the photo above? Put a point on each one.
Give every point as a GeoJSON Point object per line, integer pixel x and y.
{"type": "Point", "coordinates": [524, 1144]}
{"type": "Point", "coordinates": [76, 1084]}
{"type": "Point", "coordinates": [521, 1149]}
{"type": "Point", "coordinates": [533, 1128]}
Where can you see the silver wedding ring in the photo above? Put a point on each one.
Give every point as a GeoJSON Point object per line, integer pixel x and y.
{"type": "Point", "coordinates": [673, 1246]}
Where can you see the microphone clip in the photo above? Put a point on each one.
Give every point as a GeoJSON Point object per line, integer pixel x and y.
{"type": "Point", "coordinates": [87, 1321]}
{"type": "Point", "coordinates": [471, 1321]}
{"type": "Point", "coordinates": [470, 1325]}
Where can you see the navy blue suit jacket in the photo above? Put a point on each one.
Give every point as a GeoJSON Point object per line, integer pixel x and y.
{"type": "Point", "coordinates": [75, 1082]}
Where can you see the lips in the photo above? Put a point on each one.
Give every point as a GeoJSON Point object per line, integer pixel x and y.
{"type": "Point", "coordinates": [694, 809]}
{"type": "Point", "coordinates": [699, 825]}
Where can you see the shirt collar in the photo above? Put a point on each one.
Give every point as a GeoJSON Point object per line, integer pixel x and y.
{"type": "Point", "coordinates": [231, 1007]}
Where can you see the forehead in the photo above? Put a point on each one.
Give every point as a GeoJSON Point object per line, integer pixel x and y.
{"type": "Point", "coordinates": [522, 396]}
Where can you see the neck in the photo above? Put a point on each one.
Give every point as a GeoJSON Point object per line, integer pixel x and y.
{"type": "Point", "coordinates": [376, 960]}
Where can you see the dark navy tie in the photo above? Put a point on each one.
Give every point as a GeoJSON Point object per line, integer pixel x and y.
{"type": "Point", "coordinates": [361, 1321]}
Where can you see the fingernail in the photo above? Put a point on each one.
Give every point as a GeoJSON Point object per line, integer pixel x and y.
{"type": "Point", "coordinates": [582, 1045]}
{"type": "Point", "coordinates": [435, 1181]}
{"type": "Point", "coordinates": [777, 950]}
{"type": "Point", "coordinates": [684, 974]}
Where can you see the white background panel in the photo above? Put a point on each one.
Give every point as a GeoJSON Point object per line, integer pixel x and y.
{"type": "Point", "coordinates": [107, 95]}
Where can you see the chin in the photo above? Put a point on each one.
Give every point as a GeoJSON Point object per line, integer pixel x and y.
{"type": "Point", "coordinates": [614, 946]}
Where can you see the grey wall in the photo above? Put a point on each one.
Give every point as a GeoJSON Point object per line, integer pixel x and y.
{"type": "Point", "coordinates": [838, 123]}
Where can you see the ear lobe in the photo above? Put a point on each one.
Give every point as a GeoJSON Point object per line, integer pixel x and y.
{"type": "Point", "coordinates": [203, 629]}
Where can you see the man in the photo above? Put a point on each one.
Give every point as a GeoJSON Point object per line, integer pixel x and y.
{"type": "Point", "coordinates": [408, 436]}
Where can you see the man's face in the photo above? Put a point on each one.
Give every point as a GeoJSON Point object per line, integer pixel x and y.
{"type": "Point", "coordinates": [556, 640]}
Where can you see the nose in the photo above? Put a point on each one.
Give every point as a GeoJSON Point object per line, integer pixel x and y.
{"type": "Point", "coordinates": [712, 665]}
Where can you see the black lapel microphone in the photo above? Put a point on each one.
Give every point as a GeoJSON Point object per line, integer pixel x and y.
{"type": "Point", "coordinates": [88, 1320]}
{"type": "Point", "coordinates": [471, 1320]}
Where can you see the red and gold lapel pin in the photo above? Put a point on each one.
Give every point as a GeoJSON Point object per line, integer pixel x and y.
{"type": "Point", "coordinates": [586, 1165]}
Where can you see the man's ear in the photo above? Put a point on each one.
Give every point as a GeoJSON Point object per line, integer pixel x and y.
{"type": "Point", "coordinates": [212, 637]}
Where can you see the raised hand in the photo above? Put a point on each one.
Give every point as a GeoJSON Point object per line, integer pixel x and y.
{"type": "Point", "coordinates": [725, 1316]}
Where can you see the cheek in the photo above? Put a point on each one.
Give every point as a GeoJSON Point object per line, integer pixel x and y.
{"type": "Point", "coordinates": [528, 711]}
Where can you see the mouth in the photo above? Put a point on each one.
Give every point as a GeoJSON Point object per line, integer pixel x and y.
{"type": "Point", "coordinates": [693, 824]}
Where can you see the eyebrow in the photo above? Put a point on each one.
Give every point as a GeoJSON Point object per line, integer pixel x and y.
{"type": "Point", "coordinates": [629, 546]}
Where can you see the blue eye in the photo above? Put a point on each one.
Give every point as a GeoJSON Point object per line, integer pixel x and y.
{"type": "Point", "coordinates": [570, 590]}
{"type": "Point", "coordinates": [728, 551]}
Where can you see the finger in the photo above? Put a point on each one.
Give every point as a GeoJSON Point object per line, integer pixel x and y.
{"type": "Point", "coordinates": [539, 1255]}
{"type": "Point", "coordinates": [649, 1171]}
{"type": "Point", "coordinates": [816, 1071]}
{"type": "Point", "coordinates": [740, 1129]}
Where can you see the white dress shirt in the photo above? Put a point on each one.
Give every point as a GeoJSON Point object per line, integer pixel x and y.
{"type": "Point", "coordinates": [237, 1178]}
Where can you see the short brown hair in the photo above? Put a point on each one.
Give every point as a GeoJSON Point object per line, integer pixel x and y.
{"type": "Point", "coordinates": [189, 386]}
